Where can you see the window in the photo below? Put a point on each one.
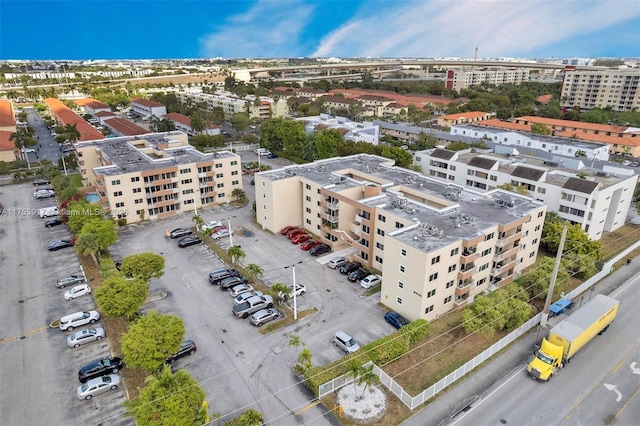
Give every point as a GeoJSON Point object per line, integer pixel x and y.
{"type": "Point", "coordinates": [220, 185]}
{"type": "Point", "coordinates": [446, 300]}
{"type": "Point", "coordinates": [481, 281]}
{"type": "Point", "coordinates": [450, 284]}
{"type": "Point", "coordinates": [308, 210]}
{"type": "Point", "coordinates": [219, 175]}
{"type": "Point", "coordinates": [307, 198]}
{"type": "Point", "coordinates": [380, 232]}
{"type": "Point", "coordinates": [308, 221]}
{"type": "Point", "coordinates": [435, 260]}
{"type": "Point", "coordinates": [308, 187]}
{"type": "Point", "coordinates": [429, 309]}
{"type": "Point", "coordinates": [433, 276]}
{"type": "Point", "coordinates": [534, 242]}
{"type": "Point", "coordinates": [186, 181]}
{"type": "Point", "coordinates": [187, 191]}
{"type": "Point", "coordinates": [533, 253]}
{"type": "Point", "coordinates": [537, 228]}
{"type": "Point", "coordinates": [117, 194]}
{"type": "Point", "coordinates": [221, 195]}
{"type": "Point", "coordinates": [452, 168]}
{"type": "Point", "coordinates": [455, 251]}
{"type": "Point", "coordinates": [119, 204]}
{"type": "Point", "coordinates": [365, 229]}
{"type": "Point", "coordinates": [493, 178]}
{"type": "Point", "coordinates": [378, 259]}
{"type": "Point", "coordinates": [189, 201]}
{"type": "Point", "coordinates": [135, 179]}
{"type": "Point", "coordinates": [401, 269]}
{"type": "Point", "coordinates": [400, 284]}
{"type": "Point", "coordinates": [235, 182]}
{"type": "Point", "coordinates": [137, 190]}
{"type": "Point", "coordinates": [403, 253]}
{"type": "Point", "coordinates": [218, 165]}
{"type": "Point", "coordinates": [138, 201]}
{"type": "Point", "coordinates": [182, 171]}
{"type": "Point", "coordinates": [234, 163]}
{"type": "Point", "coordinates": [380, 246]}
{"type": "Point", "coordinates": [542, 190]}
{"type": "Point", "coordinates": [540, 214]}
{"type": "Point", "coordinates": [234, 173]}
{"type": "Point", "coordinates": [489, 236]}
{"type": "Point", "coordinates": [398, 301]}
{"type": "Point", "coordinates": [115, 182]}
{"type": "Point", "coordinates": [381, 218]}
{"type": "Point", "coordinates": [486, 252]}
{"type": "Point", "coordinates": [483, 267]}
{"type": "Point", "coordinates": [140, 212]}
{"type": "Point", "coordinates": [452, 268]}
{"type": "Point", "coordinates": [399, 225]}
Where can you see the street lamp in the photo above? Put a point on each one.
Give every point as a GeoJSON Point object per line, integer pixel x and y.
{"type": "Point", "coordinates": [229, 228]}
{"type": "Point", "coordinates": [295, 304]}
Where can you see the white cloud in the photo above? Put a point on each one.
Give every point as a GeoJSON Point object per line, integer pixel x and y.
{"type": "Point", "coordinates": [267, 29]}
{"type": "Point", "coordinates": [455, 28]}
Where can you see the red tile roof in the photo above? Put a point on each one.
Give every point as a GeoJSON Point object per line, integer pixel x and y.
{"type": "Point", "coordinates": [340, 100]}
{"type": "Point", "coordinates": [178, 118]}
{"type": "Point", "coordinates": [66, 116]}
{"type": "Point", "coordinates": [146, 102]}
{"type": "Point", "coordinates": [494, 122]}
{"type": "Point", "coordinates": [544, 99]}
{"type": "Point", "coordinates": [468, 115]}
{"type": "Point", "coordinates": [97, 105]}
{"type": "Point", "coordinates": [84, 101]}
{"type": "Point", "coordinates": [5, 143]}
{"type": "Point", "coordinates": [404, 100]}
{"type": "Point", "coordinates": [573, 124]}
{"type": "Point", "coordinates": [125, 127]}
{"type": "Point", "coordinates": [6, 114]}
{"type": "Point", "coordinates": [105, 114]}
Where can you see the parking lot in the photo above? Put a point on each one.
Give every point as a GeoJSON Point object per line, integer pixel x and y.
{"type": "Point", "coordinates": [38, 372]}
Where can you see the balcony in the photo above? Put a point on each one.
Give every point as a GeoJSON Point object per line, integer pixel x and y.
{"type": "Point", "coordinates": [459, 301]}
{"type": "Point", "coordinates": [462, 291]}
{"type": "Point", "coordinates": [333, 206]}
{"type": "Point", "coordinates": [506, 254]}
{"type": "Point", "coordinates": [502, 242]}
{"type": "Point", "coordinates": [332, 218]}
{"type": "Point", "coordinates": [469, 255]}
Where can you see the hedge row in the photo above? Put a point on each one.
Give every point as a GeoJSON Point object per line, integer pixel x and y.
{"type": "Point", "coordinates": [380, 352]}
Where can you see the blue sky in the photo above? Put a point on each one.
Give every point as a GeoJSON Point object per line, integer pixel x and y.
{"type": "Point", "coordinates": [146, 29]}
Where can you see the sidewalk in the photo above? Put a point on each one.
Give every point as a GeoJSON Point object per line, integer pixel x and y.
{"type": "Point", "coordinates": [458, 396]}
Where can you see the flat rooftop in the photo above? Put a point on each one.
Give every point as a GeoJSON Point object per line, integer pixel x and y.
{"type": "Point", "coordinates": [441, 212]}
{"type": "Point", "coordinates": [141, 153]}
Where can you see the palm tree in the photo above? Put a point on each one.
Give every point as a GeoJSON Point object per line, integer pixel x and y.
{"type": "Point", "coordinates": [279, 292]}
{"type": "Point", "coordinates": [254, 271]}
{"type": "Point", "coordinates": [239, 194]}
{"type": "Point", "coordinates": [295, 341]}
{"type": "Point", "coordinates": [197, 219]}
{"type": "Point", "coordinates": [235, 253]}
{"type": "Point", "coordinates": [71, 132]}
{"type": "Point", "coordinates": [354, 368]}
{"type": "Point", "coordinates": [368, 377]}
{"type": "Point", "coordinates": [304, 358]}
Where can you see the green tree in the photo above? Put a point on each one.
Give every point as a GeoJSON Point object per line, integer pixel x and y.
{"type": "Point", "coordinates": [152, 339]}
{"type": "Point", "coordinates": [236, 253]}
{"type": "Point", "coordinates": [304, 359]}
{"type": "Point", "coordinates": [540, 129]}
{"type": "Point", "coordinates": [161, 125]}
{"type": "Point", "coordinates": [354, 368]}
{"type": "Point", "coordinates": [254, 271]}
{"type": "Point", "coordinates": [71, 132]}
{"type": "Point", "coordinates": [144, 266]}
{"type": "Point", "coordinates": [169, 399]}
{"type": "Point", "coordinates": [402, 157]}
{"type": "Point", "coordinates": [250, 417]}
{"type": "Point", "coordinates": [197, 122]}
{"type": "Point", "coordinates": [295, 341]}
{"type": "Point", "coordinates": [217, 115]}
{"type": "Point", "coordinates": [326, 143]}
{"type": "Point", "coordinates": [536, 281]}
{"type": "Point", "coordinates": [503, 309]}
{"type": "Point", "coordinates": [280, 292]}
{"type": "Point", "coordinates": [239, 194]}
{"type": "Point", "coordinates": [96, 237]}
{"type": "Point", "coordinates": [118, 296]}
{"type": "Point", "coordinates": [293, 137]}
{"type": "Point", "coordinates": [198, 221]}
{"type": "Point", "coordinates": [240, 122]}
{"type": "Point", "coordinates": [368, 377]}
{"type": "Point", "coordinates": [269, 138]}
{"type": "Point", "coordinates": [577, 241]}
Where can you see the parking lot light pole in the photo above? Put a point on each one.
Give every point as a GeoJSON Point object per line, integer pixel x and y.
{"type": "Point", "coordinates": [295, 304]}
{"type": "Point", "coordinates": [230, 231]}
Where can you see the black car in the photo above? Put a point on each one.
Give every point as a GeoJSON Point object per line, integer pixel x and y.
{"type": "Point", "coordinates": [179, 232]}
{"type": "Point", "coordinates": [358, 275]}
{"type": "Point", "coordinates": [349, 267]}
{"type": "Point", "coordinates": [188, 347]}
{"type": "Point", "coordinates": [189, 241]}
{"type": "Point", "coordinates": [227, 283]}
{"type": "Point", "coordinates": [52, 222]}
{"type": "Point", "coordinates": [59, 244]}
{"type": "Point", "coordinates": [216, 276]}
{"type": "Point", "coordinates": [319, 249]}
{"type": "Point", "coordinates": [41, 181]}
{"type": "Point", "coordinates": [100, 367]}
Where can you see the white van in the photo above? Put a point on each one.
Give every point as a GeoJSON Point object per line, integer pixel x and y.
{"type": "Point", "coordinates": [69, 322]}
{"type": "Point", "coordinates": [262, 151]}
{"type": "Point", "coordinates": [49, 211]}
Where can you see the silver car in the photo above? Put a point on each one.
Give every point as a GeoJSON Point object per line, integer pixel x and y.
{"type": "Point", "coordinates": [77, 291]}
{"type": "Point", "coordinates": [98, 385]}
{"type": "Point", "coordinates": [85, 336]}
{"type": "Point", "coordinates": [263, 316]}
{"type": "Point", "coordinates": [337, 262]}
{"type": "Point", "coordinates": [244, 296]}
{"type": "Point", "coordinates": [239, 289]}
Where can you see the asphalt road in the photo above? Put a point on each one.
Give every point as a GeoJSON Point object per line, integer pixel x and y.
{"type": "Point", "coordinates": [38, 372]}
{"type": "Point", "coordinates": [47, 148]}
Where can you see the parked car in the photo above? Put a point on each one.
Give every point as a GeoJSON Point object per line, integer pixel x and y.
{"type": "Point", "coordinates": [49, 211]}
{"type": "Point", "coordinates": [77, 291]}
{"type": "Point", "coordinates": [349, 267]}
{"type": "Point", "coordinates": [41, 181]}
{"type": "Point", "coordinates": [85, 336]}
{"type": "Point", "coordinates": [221, 233]}
{"type": "Point", "coordinates": [251, 305]}
{"type": "Point", "coordinates": [59, 244]}
{"type": "Point", "coordinates": [230, 282]}
{"type": "Point", "coordinates": [98, 385]}
{"type": "Point", "coordinates": [358, 275]}
{"type": "Point", "coordinates": [272, 155]}
{"type": "Point", "coordinates": [100, 367]}
{"type": "Point", "coordinates": [217, 229]}
{"type": "Point", "coordinates": [54, 221]}
{"type": "Point", "coordinates": [239, 289]}
{"type": "Point", "coordinates": [244, 296]}
{"type": "Point", "coordinates": [77, 319]}
{"type": "Point", "coordinates": [286, 229]}
{"type": "Point", "coordinates": [191, 240]}
{"type": "Point", "coordinates": [337, 262]}
{"type": "Point", "coordinates": [44, 193]}
{"type": "Point", "coordinates": [264, 316]}
{"type": "Point", "coordinates": [70, 280]}
{"type": "Point", "coordinates": [300, 290]}
{"type": "Point", "coordinates": [220, 274]}
{"type": "Point", "coordinates": [295, 232]}
{"type": "Point", "coordinates": [300, 238]}
{"type": "Point", "coordinates": [210, 225]}
{"type": "Point", "coordinates": [308, 245]}
{"type": "Point", "coordinates": [345, 342]}
{"type": "Point", "coordinates": [187, 347]}
{"type": "Point", "coordinates": [179, 232]}
{"type": "Point", "coordinates": [371, 281]}
{"type": "Point", "coordinates": [319, 249]}
{"type": "Point", "coordinates": [396, 320]}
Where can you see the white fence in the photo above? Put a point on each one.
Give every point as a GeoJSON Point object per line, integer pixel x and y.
{"type": "Point", "coordinates": [415, 401]}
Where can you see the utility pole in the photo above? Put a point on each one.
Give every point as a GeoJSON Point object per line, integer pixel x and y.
{"type": "Point", "coordinates": [554, 275]}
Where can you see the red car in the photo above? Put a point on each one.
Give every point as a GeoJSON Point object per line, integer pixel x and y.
{"type": "Point", "coordinates": [286, 229]}
{"type": "Point", "coordinates": [294, 232]}
{"type": "Point", "coordinates": [309, 244]}
{"type": "Point", "coordinates": [300, 238]}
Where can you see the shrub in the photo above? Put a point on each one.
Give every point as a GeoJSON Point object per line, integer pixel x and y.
{"type": "Point", "coordinates": [416, 331]}
{"type": "Point", "coordinates": [387, 349]}
{"type": "Point", "coordinates": [122, 221]}
{"type": "Point", "coordinates": [108, 267]}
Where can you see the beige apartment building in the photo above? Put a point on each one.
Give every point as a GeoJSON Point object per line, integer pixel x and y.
{"type": "Point", "coordinates": [618, 89]}
{"type": "Point", "coordinates": [437, 245]}
{"type": "Point", "coordinates": [261, 108]}
{"type": "Point", "coordinates": [156, 175]}
{"type": "Point", "coordinates": [463, 78]}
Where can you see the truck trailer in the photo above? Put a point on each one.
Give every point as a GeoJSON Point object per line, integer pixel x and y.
{"type": "Point", "coordinates": [570, 335]}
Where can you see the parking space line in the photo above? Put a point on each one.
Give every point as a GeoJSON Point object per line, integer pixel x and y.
{"type": "Point", "coordinates": [28, 333]}
{"type": "Point", "coordinates": [303, 409]}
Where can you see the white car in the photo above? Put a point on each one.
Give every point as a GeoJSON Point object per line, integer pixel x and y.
{"type": "Point", "coordinates": [71, 321]}
{"type": "Point", "coordinates": [77, 291]}
{"type": "Point", "coordinates": [98, 385]}
{"type": "Point", "coordinates": [371, 281]}
{"type": "Point", "coordinates": [239, 289]}
{"type": "Point", "coordinates": [300, 290]}
{"type": "Point", "coordinates": [221, 233]}
{"type": "Point", "coordinates": [210, 225]}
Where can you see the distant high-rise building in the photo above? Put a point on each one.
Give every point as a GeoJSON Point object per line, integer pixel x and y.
{"type": "Point", "coordinates": [588, 89]}
{"type": "Point", "coordinates": [463, 78]}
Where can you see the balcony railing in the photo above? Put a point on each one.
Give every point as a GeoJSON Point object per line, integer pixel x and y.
{"type": "Point", "coordinates": [332, 219]}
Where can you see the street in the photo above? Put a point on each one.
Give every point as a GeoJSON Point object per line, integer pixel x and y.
{"type": "Point", "coordinates": [47, 148]}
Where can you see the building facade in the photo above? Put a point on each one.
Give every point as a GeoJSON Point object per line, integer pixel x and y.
{"type": "Point", "coordinates": [351, 130]}
{"type": "Point", "coordinates": [146, 108]}
{"type": "Point", "coordinates": [437, 245]}
{"type": "Point", "coordinates": [183, 123]}
{"type": "Point", "coordinates": [156, 175]}
{"type": "Point", "coordinates": [598, 202]}
{"type": "Point", "coordinates": [463, 78]}
{"type": "Point", "coordinates": [618, 89]}
{"type": "Point", "coordinates": [262, 108]}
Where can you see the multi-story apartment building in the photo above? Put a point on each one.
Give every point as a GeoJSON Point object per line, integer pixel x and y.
{"type": "Point", "coordinates": [156, 175]}
{"type": "Point", "coordinates": [463, 78]}
{"type": "Point", "coordinates": [263, 107]}
{"type": "Point", "coordinates": [183, 123]}
{"type": "Point", "coordinates": [598, 202]}
{"type": "Point", "coordinates": [618, 89]}
{"type": "Point", "coordinates": [351, 130]}
{"type": "Point", "coordinates": [8, 151]}
{"type": "Point", "coordinates": [146, 108]}
{"type": "Point", "coordinates": [437, 244]}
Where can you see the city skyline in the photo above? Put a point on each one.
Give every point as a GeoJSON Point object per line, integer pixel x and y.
{"type": "Point", "coordinates": [273, 28]}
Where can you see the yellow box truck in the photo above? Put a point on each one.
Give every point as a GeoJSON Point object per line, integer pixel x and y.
{"type": "Point", "coordinates": [571, 334]}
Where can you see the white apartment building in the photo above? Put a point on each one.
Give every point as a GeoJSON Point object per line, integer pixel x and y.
{"type": "Point", "coordinates": [597, 201]}
{"type": "Point", "coordinates": [351, 130]}
{"type": "Point", "coordinates": [618, 89]}
{"type": "Point", "coordinates": [437, 245]}
{"type": "Point", "coordinates": [156, 175]}
{"type": "Point", "coordinates": [231, 104]}
{"type": "Point", "coordinates": [183, 123]}
{"type": "Point", "coordinates": [463, 78]}
{"type": "Point", "coordinates": [524, 140]}
{"type": "Point", "coordinates": [146, 108]}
